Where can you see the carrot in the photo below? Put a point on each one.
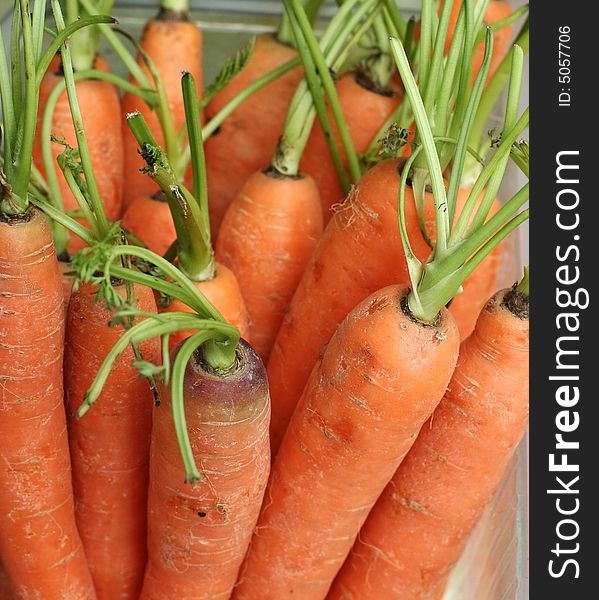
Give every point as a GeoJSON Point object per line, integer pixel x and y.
{"type": "Point", "coordinates": [247, 137]}
{"type": "Point", "coordinates": [366, 108]}
{"type": "Point", "coordinates": [271, 227]}
{"type": "Point", "coordinates": [214, 402]}
{"type": "Point", "coordinates": [6, 592]}
{"type": "Point", "coordinates": [39, 543]}
{"type": "Point", "coordinates": [351, 427]}
{"type": "Point", "coordinates": [198, 534]}
{"type": "Point", "coordinates": [99, 103]}
{"type": "Point", "coordinates": [109, 508]}
{"type": "Point", "coordinates": [189, 215]}
{"type": "Point", "coordinates": [40, 547]}
{"type": "Point", "coordinates": [174, 44]}
{"type": "Point", "coordinates": [362, 406]}
{"type": "Point", "coordinates": [418, 529]}
{"type": "Point", "coordinates": [341, 273]}
{"type": "Point", "coordinates": [266, 239]}
{"type": "Point", "coordinates": [109, 479]}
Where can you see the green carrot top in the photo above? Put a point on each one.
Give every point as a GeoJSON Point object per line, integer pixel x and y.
{"type": "Point", "coordinates": [349, 24]}
{"type": "Point", "coordinates": [462, 240]}
{"type": "Point", "coordinates": [20, 79]}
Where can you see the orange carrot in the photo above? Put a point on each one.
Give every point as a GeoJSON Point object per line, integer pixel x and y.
{"type": "Point", "coordinates": [271, 228]}
{"type": "Point", "coordinates": [223, 292]}
{"type": "Point", "coordinates": [110, 479]}
{"type": "Point", "coordinates": [149, 219]}
{"type": "Point", "coordinates": [366, 109]}
{"type": "Point", "coordinates": [420, 524]}
{"type": "Point", "coordinates": [378, 380]}
{"type": "Point", "coordinates": [359, 252]}
{"type": "Point", "coordinates": [244, 142]}
{"type": "Point", "coordinates": [100, 103]}
{"type": "Point", "coordinates": [174, 44]}
{"type": "Point", "coordinates": [40, 547]}
{"type": "Point", "coordinates": [266, 239]}
{"type": "Point", "coordinates": [198, 533]}
{"type": "Point", "coordinates": [6, 592]}
{"type": "Point", "coordinates": [67, 282]}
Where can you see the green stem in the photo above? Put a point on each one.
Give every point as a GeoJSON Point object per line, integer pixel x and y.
{"type": "Point", "coordinates": [465, 77]}
{"type": "Point", "coordinates": [177, 6]}
{"type": "Point", "coordinates": [318, 98]}
{"type": "Point", "coordinates": [449, 84]}
{"type": "Point", "coordinates": [20, 181]}
{"type": "Point", "coordinates": [45, 60]}
{"type": "Point", "coordinates": [194, 250]}
{"type": "Point", "coordinates": [198, 160]}
{"type": "Point", "coordinates": [8, 113]}
{"type": "Point", "coordinates": [494, 89]}
{"type": "Point", "coordinates": [63, 219]}
{"type": "Point", "coordinates": [461, 152]}
{"type": "Point", "coordinates": [119, 48]}
{"type": "Point", "coordinates": [100, 225]}
{"type": "Point", "coordinates": [193, 297]}
{"type": "Point", "coordinates": [524, 286]}
{"type": "Point", "coordinates": [285, 33]}
{"type": "Point", "coordinates": [431, 86]}
{"type": "Point", "coordinates": [301, 113]}
{"type": "Point", "coordinates": [437, 289]}
{"type": "Point", "coordinates": [83, 52]}
{"type": "Point", "coordinates": [503, 23]}
{"type": "Point", "coordinates": [396, 18]}
{"type": "Point", "coordinates": [428, 142]}
{"type": "Point", "coordinates": [508, 139]}
{"type": "Point", "coordinates": [255, 86]}
{"type": "Point", "coordinates": [153, 326]}
{"type": "Point", "coordinates": [55, 194]}
{"type": "Point", "coordinates": [380, 70]}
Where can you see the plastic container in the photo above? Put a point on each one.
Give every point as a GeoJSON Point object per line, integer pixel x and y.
{"type": "Point", "coordinates": [494, 565]}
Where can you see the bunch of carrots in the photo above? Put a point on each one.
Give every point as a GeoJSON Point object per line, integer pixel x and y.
{"type": "Point", "coordinates": [254, 338]}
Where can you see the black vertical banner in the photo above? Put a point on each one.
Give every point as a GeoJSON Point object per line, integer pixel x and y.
{"type": "Point", "coordinates": [564, 451]}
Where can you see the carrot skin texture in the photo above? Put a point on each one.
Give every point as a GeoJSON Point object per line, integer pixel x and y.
{"type": "Point", "coordinates": [99, 102]}
{"type": "Point", "coordinates": [379, 379]}
{"type": "Point", "coordinates": [246, 140]}
{"type": "Point", "coordinates": [151, 221]}
{"type": "Point", "coordinates": [224, 294]}
{"type": "Point", "coordinates": [420, 524]}
{"type": "Point", "coordinates": [359, 252]}
{"type": "Point", "coordinates": [40, 546]}
{"type": "Point", "coordinates": [110, 445]}
{"type": "Point", "coordinates": [174, 46]}
{"type": "Point", "coordinates": [198, 534]}
{"type": "Point", "coordinates": [6, 592]}
{"type": "Point", "coordinates": [365, 111]}
{"type": "Point", "coordinates": [266, 238]}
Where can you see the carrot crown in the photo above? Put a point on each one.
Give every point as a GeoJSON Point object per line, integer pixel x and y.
{"type": "Point", "coordinates": [19, 89]}
{"type": "Point", "coordinates": [464, 240]}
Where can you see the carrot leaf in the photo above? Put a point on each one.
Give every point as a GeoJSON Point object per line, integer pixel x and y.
{"type": "Point", "coordinates": [230, 68]}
